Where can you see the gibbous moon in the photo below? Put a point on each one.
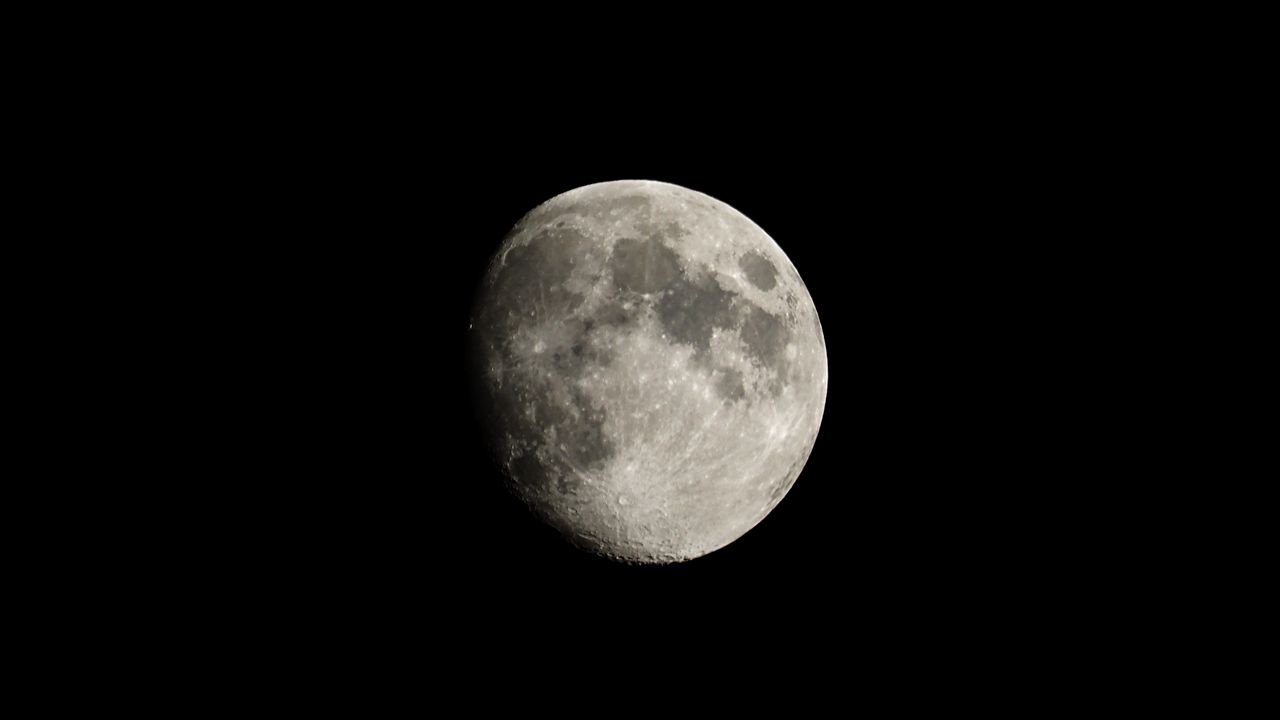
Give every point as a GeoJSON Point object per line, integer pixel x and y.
{"type": "Point", "coordinates": [650, 369]}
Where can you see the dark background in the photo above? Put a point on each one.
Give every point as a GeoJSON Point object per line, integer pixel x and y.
{"type": "Point", "coordinates": [302, 212]}
{"type": "Point", "coordinates": [937, 229]}
{"type": "Point", "coordinates": [925, 247]}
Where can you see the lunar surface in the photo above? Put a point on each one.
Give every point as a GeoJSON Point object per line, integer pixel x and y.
{"type": "Point", "coordinates": [650, 369]}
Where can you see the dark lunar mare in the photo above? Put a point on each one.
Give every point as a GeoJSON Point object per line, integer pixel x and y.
{"type": "Point", "coordinates": [643, 266]}
{"type": "Point", "coordinates": [759, 271]}
{"type": "Point", "coordinates": [691, 309]}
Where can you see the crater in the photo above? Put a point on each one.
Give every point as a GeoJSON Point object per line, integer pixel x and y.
{"type": "Point", "coordinates": [759, 271]}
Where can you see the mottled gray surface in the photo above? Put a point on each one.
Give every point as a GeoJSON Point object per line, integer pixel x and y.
{"type": "Point", "coordinates": [652, 369]}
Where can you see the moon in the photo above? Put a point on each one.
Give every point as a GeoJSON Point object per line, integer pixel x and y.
{"type": "Point", "coordinates": [650, 369]}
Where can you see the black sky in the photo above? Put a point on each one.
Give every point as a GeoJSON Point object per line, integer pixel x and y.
{"type": "Point", "coordinates": [930, 242]}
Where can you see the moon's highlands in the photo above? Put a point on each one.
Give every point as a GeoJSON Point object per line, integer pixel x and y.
{"type": "Point", "coordinates": [651, 369]}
